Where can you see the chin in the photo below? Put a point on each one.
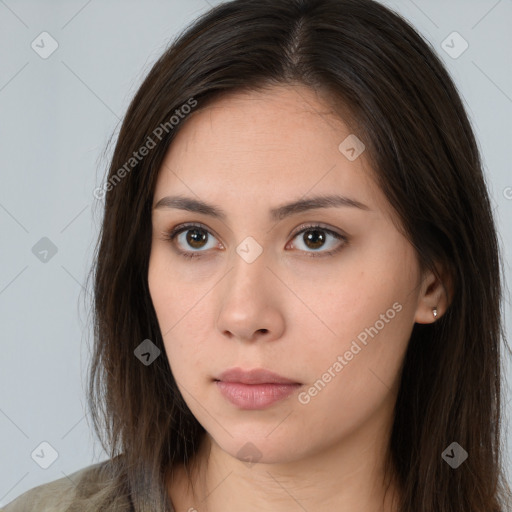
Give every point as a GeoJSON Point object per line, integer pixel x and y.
{"type": "Point", "coordinates": [261, 449]}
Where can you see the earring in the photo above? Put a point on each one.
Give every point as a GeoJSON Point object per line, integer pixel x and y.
{"type": "Point", "coordinates": [434, 312]}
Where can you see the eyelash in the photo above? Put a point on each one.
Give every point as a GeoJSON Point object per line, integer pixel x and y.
{"type": "Point", "coordinates": [171, 235]}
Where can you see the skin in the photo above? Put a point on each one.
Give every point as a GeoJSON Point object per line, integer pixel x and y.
{"type": "Point", "coordinates": [285, 311]}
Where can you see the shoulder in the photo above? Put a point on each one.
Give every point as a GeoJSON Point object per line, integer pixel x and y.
{"type": "Point", "coordinates": [83, 490]}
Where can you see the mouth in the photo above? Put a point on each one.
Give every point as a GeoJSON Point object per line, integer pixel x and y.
{"type": "Point", "coordinates": [254, 389]}
{"type": "Point", "coordinates": [255, 376]}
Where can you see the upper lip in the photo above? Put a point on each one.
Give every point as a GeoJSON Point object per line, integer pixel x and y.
{"type": "Point", "coordinates": [255, 376]}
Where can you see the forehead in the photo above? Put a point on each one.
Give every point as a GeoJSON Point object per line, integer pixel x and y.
{"type": "Point", "coordinates": [280, 143]}
{"type": "Point", "coordinates": [274, 120]}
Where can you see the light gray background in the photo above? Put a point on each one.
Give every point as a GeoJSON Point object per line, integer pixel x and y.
{"type": "Point", "coordinates": [56, 116]}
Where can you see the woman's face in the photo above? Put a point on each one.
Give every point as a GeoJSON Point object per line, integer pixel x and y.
{"type": "Point", "coordinates": [270, 292]}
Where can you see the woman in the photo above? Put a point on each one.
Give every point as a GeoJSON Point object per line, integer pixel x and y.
{"type": "Point", "coordinates": [297, 288]}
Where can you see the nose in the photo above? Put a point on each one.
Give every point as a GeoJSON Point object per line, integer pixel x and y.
{"type": "Point", "coordinates": [251, 301]}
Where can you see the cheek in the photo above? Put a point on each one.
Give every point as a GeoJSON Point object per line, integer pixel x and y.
{"type": "Point", "coordinates": [359, 326]}
{"type": "Point", "coordinates": [355, 373]}
{"type": "Point", "coordinates": [181, 315]}
{"type": "Point", "coordinates": [172, 301]}
{"type": "Point", "coordinates": [368, 284]}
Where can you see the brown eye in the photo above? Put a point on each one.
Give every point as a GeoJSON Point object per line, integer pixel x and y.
{"type": "Point", "coordinates": [191, 236]}
{"type": "Point", "coordinates": [315, 238]}
{"type": "Point", "coordinates": [196, 237]}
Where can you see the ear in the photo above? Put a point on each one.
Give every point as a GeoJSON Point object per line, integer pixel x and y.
{"type": "Point", "coordinates": [434, 295]}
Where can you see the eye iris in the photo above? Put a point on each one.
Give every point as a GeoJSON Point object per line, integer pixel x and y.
{"type": "Point", "coordinates": [318, 239]}
{"type": "Point", "coordinates": [195, 239]}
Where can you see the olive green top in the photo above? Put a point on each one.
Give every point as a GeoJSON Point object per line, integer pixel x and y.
{"type": "Point", "coordinates": [85, 490]}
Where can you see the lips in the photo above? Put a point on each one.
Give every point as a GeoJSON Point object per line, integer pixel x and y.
{"type": "Point", "coordinates": [255, 376]}
{"type": "Point", "coordinates": [254, 389]}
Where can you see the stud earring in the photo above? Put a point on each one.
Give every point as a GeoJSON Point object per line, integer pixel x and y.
{"type": "Point", "coordinates": [434, 312]}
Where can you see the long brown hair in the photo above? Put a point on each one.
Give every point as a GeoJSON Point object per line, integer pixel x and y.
{"type": "Point", "coordinates": [377, 68]}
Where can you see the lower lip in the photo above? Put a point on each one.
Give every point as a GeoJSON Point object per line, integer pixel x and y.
{"type": "Point", "coordinates": [255, 396]}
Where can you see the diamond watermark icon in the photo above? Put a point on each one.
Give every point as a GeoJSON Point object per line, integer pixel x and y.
{"type": "Point", "coordinates": [454, 45]}
{"type": "Point", "coordinates": [249, 453]}
{"type": "Point", "coordinates": [454, 455]}
{"type": "Point", "coordinates": [147, 352]}
{"type": "Point", "coordinates": [249, 249]}
{"type": "Point", "coordinates": [44, 250]}
{"type": "Point", "coordinates": [44, 455]}
{"type": "Point", "coordinates": [351, 147]}
{"type": "Point", "coordinates": [44, 45]}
